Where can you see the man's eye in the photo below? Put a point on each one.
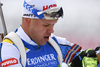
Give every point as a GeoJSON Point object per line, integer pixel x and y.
{"type": "Point", "coordinates": [46, 25]}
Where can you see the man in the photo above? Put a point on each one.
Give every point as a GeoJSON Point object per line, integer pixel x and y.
{"type": "Point", "coordinates": [38, 20]}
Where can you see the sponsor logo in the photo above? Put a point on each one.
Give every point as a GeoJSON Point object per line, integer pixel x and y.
{"type": "Point", "coordinates": [8, 62]}
{"type": "Point", "coordinates": [48, 64]}
{"type": "Point", "coordinates": [28, 15]}
{"type": "Point", "coordinates": [41, 59]}
{"type": "Point", "coordinates": [49, 6]}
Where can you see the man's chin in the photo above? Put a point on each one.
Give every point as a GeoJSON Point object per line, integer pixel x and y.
{"type": "Point", "coordinates": [43, 44]}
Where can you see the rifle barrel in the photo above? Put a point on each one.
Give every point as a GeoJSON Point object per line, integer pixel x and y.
{"type": "Point", "coordinates": [2, 19]}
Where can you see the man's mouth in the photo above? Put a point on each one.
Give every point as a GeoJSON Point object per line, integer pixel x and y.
{"type": "Point", "coordinates": [46, 38]}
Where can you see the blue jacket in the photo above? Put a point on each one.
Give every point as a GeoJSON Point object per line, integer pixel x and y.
{"type": "Point", "coordinates": [40, 56]}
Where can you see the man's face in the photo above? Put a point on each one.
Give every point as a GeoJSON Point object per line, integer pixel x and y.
{"type": "Point", "coordinates": [40, 30]}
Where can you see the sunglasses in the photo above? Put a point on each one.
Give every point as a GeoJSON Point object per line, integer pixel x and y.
{"type": "Point", "coordinates": [53, 13]}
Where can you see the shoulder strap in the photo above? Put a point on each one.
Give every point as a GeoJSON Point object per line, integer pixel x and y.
{"type": "Point", "coordinates": [58, 50]}
{"type": "Point", "coordinates": [18, 42]}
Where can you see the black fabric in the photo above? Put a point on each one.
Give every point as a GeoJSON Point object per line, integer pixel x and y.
{"type": "Point", "coordinates": [91, 53]}
{"type": "Point", "coordinates": [76, 62]}
{"type": "Point", "coordinates": [97, 48]}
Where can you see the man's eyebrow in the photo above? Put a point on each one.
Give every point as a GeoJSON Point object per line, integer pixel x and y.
{"type": "Point", "coordinates": [46, 23]}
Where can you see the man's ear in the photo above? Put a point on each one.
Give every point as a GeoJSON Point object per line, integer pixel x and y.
{"type": "Point", "coordinates": [28, 20]}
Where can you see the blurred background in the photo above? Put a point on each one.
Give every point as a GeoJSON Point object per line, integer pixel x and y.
{"type": "Point", "coordinates": [80, 23]}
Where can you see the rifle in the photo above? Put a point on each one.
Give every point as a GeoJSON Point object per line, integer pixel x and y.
{"type": "Point", "coordinates": [3, 22]}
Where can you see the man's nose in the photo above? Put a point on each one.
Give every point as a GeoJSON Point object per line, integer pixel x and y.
{"type": "Point", "coordinates": [50, 30]}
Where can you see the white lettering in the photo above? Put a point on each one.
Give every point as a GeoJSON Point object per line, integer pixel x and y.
{"type": "Point", "coordinates": [9, 62]}
{"type": "Point", "coordinates": [52, 56]}
{"type": "Point", "coordinates": [48, 64]}
{"type": "Point", "coordinates": [40, 59]}
{"type": "Point", "coordinates": [28, 61]}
